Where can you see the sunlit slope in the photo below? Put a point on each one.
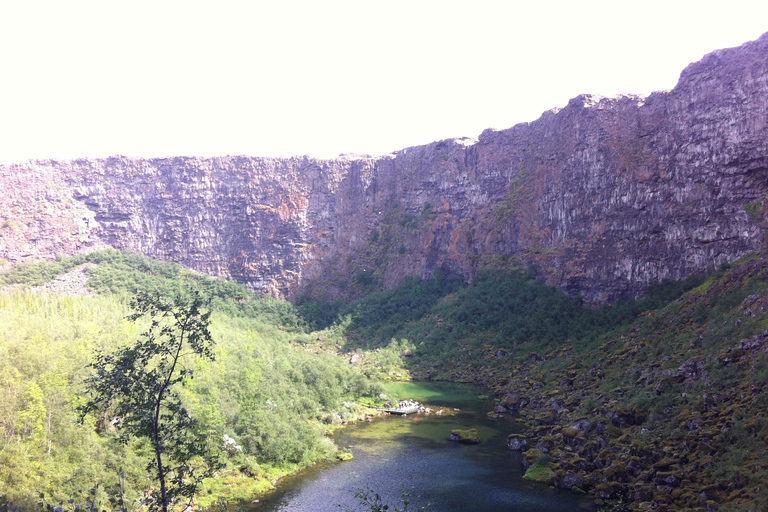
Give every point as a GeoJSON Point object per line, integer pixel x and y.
{"type": "Point", "coordinates": [273, 397]}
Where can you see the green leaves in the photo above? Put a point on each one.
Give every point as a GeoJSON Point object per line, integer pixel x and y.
{"type": "Point", "coordinates": [136, 387]}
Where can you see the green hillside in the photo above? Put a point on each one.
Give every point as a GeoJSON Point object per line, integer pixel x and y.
{"type": "Point", "coordinates": [654, 404]}
{"type": "Point", "coordinates": [506, 311]}
{"type": "Point", "coordinates": [669, 412]}
{"type": "Point", "coordinates": [274, 397]}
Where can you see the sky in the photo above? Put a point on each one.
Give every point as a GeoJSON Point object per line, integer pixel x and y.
{"type": "Point", "coordinates": [281, 78]}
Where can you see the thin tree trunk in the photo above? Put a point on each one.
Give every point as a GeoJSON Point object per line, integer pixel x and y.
{"type": "Point", "coordinates": [156, 428]}
{"type": "Point", "coordinates": [160, 471]}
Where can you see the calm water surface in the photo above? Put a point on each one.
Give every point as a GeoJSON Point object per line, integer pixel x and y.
{"type": "Point", "coordinates": [413, 453]}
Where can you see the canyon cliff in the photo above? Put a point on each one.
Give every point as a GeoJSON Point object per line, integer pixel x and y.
{"type": "Point", "coordinates": [600, 198]}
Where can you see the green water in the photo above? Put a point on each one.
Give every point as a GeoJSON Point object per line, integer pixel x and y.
{"type": "Point", "coordinates": [432, 392]}
{"type": "Point", "coordinates": [412, 453]}
{"type": "Point", "coordinates": [462, 401]}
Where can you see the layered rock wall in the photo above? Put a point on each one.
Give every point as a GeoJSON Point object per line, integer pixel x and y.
{"type": "Point", "coordinates": [600, 197]}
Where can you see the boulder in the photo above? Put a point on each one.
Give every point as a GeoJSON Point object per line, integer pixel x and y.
{"type": "Point", "coordinates": [469, 436]}
{"type": "Point", "coordinates": [540, 473]}
{"type": "Point", "coordinates": [693, 367]}
{"type": "Point", "coordinates": [582, 425]}
{"type": "Point", "coordinates": [573, 437]}
{"type": "Point", "coordinates": [669, 478]}
{"type": "Point", "coordinates": [623, 418]}
{"type": "Point", "coordinates": [517, 442]}
{"type": "Point", "coordinates": [755, 342]}
{"type": "Point", "coordinates": [571, 480]}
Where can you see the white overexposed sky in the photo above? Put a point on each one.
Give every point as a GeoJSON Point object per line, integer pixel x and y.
{"type": "Point", "coordinates": [279, 78]}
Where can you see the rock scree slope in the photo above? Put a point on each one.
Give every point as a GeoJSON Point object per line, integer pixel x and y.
{"type": "Point", "coordinates": [600, 197]}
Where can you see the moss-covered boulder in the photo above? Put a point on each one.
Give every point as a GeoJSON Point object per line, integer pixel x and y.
{"type": "Point", "coordinates": [616, 472]}
{"type": "Point", "coordinates": [517, 442]}
{"type": "Point", "coordinates": [573, 437]}
{"type": "Point", "coordinates": [670, 478]}
{"type": "Point", "coordinates": [570, 432]}
{"type": "Point", "coordinates": [530, 456]}
{"type": "Point", "coordinates": [608, 490]}
{"type": "Point", "coordinates": [540, 473]}
{"type": "Point", "coordinates": [576, 463]}
{"type": "Point", "coordinates": [469, 436]}
{"type": "Point", "coordinates": [664, 463]}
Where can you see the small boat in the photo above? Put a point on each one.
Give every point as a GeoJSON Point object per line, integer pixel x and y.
{"type": "Point", "coordinates": [403, 408]}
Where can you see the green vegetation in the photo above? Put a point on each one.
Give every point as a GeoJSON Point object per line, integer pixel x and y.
{"type": "Point", "coordinates": [671, 387]}
{"type": "Point", "coordinates": [136, 389]}
{"type": "Point", "coordinates": [266, 402]}
{"type": "Point", "coordinates": [668, 411]}
{"type": "Point", "coordinates": [659, 400]}
{"type": "Point", "coordinates": [409, 221]}
{"type": "Point", "coordinates": [753, 209]}
{"type": "Point", "coordinates": [123, 273]}
{"type": "Point", "coordinates": [510, 311]}
{"type": "Point", "coordinates": [540, 473]}
{"type": "Point", "coordinates": [468, 436]}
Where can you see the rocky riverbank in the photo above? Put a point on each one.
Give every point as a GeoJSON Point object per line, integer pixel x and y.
{"type": "Point", "coordinates": [668, 413]}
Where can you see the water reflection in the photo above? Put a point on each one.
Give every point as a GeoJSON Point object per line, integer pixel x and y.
{"type": "Point", "coordinates": [412, 453]}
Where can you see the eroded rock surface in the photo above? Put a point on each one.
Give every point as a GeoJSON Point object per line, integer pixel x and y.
{"type": "Point", "coordinates": [600, 197]}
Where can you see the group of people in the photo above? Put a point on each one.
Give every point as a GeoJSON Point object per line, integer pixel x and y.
{"type": "Point", "coordinates": [401, 404]}
{"type": "Point", "coordinates": [404, 404]}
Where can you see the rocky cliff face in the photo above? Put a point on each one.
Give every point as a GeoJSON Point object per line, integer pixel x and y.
{"type": "Point", "coordinates": [600, 197]}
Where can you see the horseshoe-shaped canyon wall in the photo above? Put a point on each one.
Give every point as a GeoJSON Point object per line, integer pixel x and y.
{"type": "Point", "coordinates": [600, 198]}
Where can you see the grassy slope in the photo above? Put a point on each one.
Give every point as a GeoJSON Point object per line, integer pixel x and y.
{"type": "Point", "coordinates": [273, 396]}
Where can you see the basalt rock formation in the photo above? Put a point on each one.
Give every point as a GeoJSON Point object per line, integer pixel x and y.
{"type": "Point", "coordinates": [600, 197]}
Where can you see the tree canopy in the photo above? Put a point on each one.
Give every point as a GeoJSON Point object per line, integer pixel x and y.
{"type": "Point", "coordinates": [135, 389]}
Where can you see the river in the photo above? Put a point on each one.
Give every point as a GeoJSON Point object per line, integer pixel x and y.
{"type": "Point", "coordinates": [412, 453]}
